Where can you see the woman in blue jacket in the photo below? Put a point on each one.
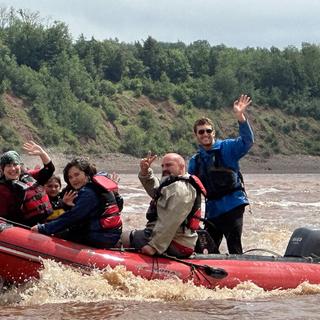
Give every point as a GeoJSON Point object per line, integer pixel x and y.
{"type": "Point", "coordinates": [87, 220]}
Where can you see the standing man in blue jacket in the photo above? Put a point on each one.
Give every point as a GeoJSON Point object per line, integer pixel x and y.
{"type": "Point", "coordinates": [217, 165]}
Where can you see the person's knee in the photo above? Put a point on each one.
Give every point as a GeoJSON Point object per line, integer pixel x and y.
{"type": "Point", "coordinates": [125, 239]}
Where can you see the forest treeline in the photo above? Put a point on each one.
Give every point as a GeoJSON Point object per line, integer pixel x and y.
{"type": "Point", "coordinates": [89, 92]}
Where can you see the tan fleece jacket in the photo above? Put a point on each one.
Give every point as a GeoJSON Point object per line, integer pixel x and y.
{"type": "Point", "coordinates": [173, 207]}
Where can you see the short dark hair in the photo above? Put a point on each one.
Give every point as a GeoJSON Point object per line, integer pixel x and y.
{"type": "Point", "coordinates": [201, 122]}
{"type": "Point", "coordinates": [82, 164]}
{"type": "Point", "coordinates": [54, 178]}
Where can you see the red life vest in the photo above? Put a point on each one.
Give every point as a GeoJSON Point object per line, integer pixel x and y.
{"type": "Point", "coordinates": [35, 201]}
{"type": "Point", "coordinates": [193, 219]}
{"type": "Point", "coordinates": [110, 218]}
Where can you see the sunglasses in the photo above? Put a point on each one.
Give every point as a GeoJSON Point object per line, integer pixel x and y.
{"type": "Point", "coordinates": [202, 131]}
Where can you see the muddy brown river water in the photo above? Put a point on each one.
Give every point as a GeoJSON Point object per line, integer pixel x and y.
{"type": "Point", "coordinates": [279, 204]}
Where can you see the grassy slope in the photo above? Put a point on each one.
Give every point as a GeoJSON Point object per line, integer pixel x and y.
{"type": "Point", "coordinates": [275, 132]}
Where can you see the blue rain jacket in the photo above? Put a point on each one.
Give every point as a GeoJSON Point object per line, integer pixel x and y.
{"type": "Point", "coordinates": [231, 150]}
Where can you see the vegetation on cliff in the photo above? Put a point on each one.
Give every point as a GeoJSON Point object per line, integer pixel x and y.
{"type": "Point", "coordinates": [106, 96]}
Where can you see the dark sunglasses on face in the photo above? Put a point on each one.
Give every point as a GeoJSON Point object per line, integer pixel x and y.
{"type": "Point", "coordinates": [202, 131]}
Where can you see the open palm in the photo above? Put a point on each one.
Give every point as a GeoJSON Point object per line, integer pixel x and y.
{"type": "Point", "coordinates": [32, 148]}
{"type": "Point", "coordinates": [240, 105]}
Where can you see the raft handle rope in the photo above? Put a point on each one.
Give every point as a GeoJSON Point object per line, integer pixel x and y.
{"type": "Point", "coordinates": [217, 273]}
{"type": "Point", "coordinates": [15, 223]}
{"type": "Point", "coordinates": [263, 250]}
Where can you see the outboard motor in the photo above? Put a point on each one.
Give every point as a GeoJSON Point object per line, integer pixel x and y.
{"type": "Point", "coordinates": [304, 242]}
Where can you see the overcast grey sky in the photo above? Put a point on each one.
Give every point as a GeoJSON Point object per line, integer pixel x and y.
{"type": "Point", "coordinates": [235, 23]}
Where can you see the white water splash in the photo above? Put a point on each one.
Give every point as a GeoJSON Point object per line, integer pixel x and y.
{"type": "Point", "coordinates": [288, 204]}
{"type": "Point", "coordinates": [62, 284]}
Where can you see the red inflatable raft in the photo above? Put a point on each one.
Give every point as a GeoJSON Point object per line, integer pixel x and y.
{"type": "Point", "coordinates": [21, 251]}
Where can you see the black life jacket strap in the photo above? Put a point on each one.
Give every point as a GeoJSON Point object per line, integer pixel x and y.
{"type": "Point", "coordinates": [192, 179]}
{"type": "Point", "coordinates": [218, 164]}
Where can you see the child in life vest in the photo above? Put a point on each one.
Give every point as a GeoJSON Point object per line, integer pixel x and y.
{"type": "Point", "coordinates": [61, 200]}
{"type": "Point", "coordinates": [53, 190]}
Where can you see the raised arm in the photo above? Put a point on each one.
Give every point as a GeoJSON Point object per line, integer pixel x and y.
{"type": "Point", "coordinates": [146, 176]}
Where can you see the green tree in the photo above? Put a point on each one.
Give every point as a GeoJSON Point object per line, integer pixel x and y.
{"type": "Point", "coordinates": [152, 56]}
{"type": "Point", "coordinates": [162, 89]}
{"type": "Point", "coordinates": [85, 121]}
{"type": "Point", "coordinates": [134, 141]}
{"type": "Point", "coordinates": [311, 62]}
{"type": "Point", "coordinates": [226, 84]}
{"type": "Point", "coordinates": [24, 36]}
{"type": "Point", "coordinates": [70, 69]}
{"type": "Point", "coordinates": [178, 68]}
{"type": "Point", "coordinates": [198, 54]}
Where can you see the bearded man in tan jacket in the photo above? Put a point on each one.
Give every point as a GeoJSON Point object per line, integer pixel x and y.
{"type": "Point", "coordinates": [167, 230]}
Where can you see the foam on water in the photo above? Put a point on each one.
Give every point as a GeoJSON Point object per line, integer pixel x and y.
{"type": "Point", "coordinates": [135, 208]}
{"type": "Point", "coordinates": [128, 196]}
{"type": "Point", "coordinates": [61, 284]}
{"type": "Point", "coordinates": [288, 204]}
{"type": "Point", "coordinates": [261, 191]}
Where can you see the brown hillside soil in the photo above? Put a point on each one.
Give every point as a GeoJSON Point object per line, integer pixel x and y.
{"type": "Point", "coordinates": [18, 119]}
